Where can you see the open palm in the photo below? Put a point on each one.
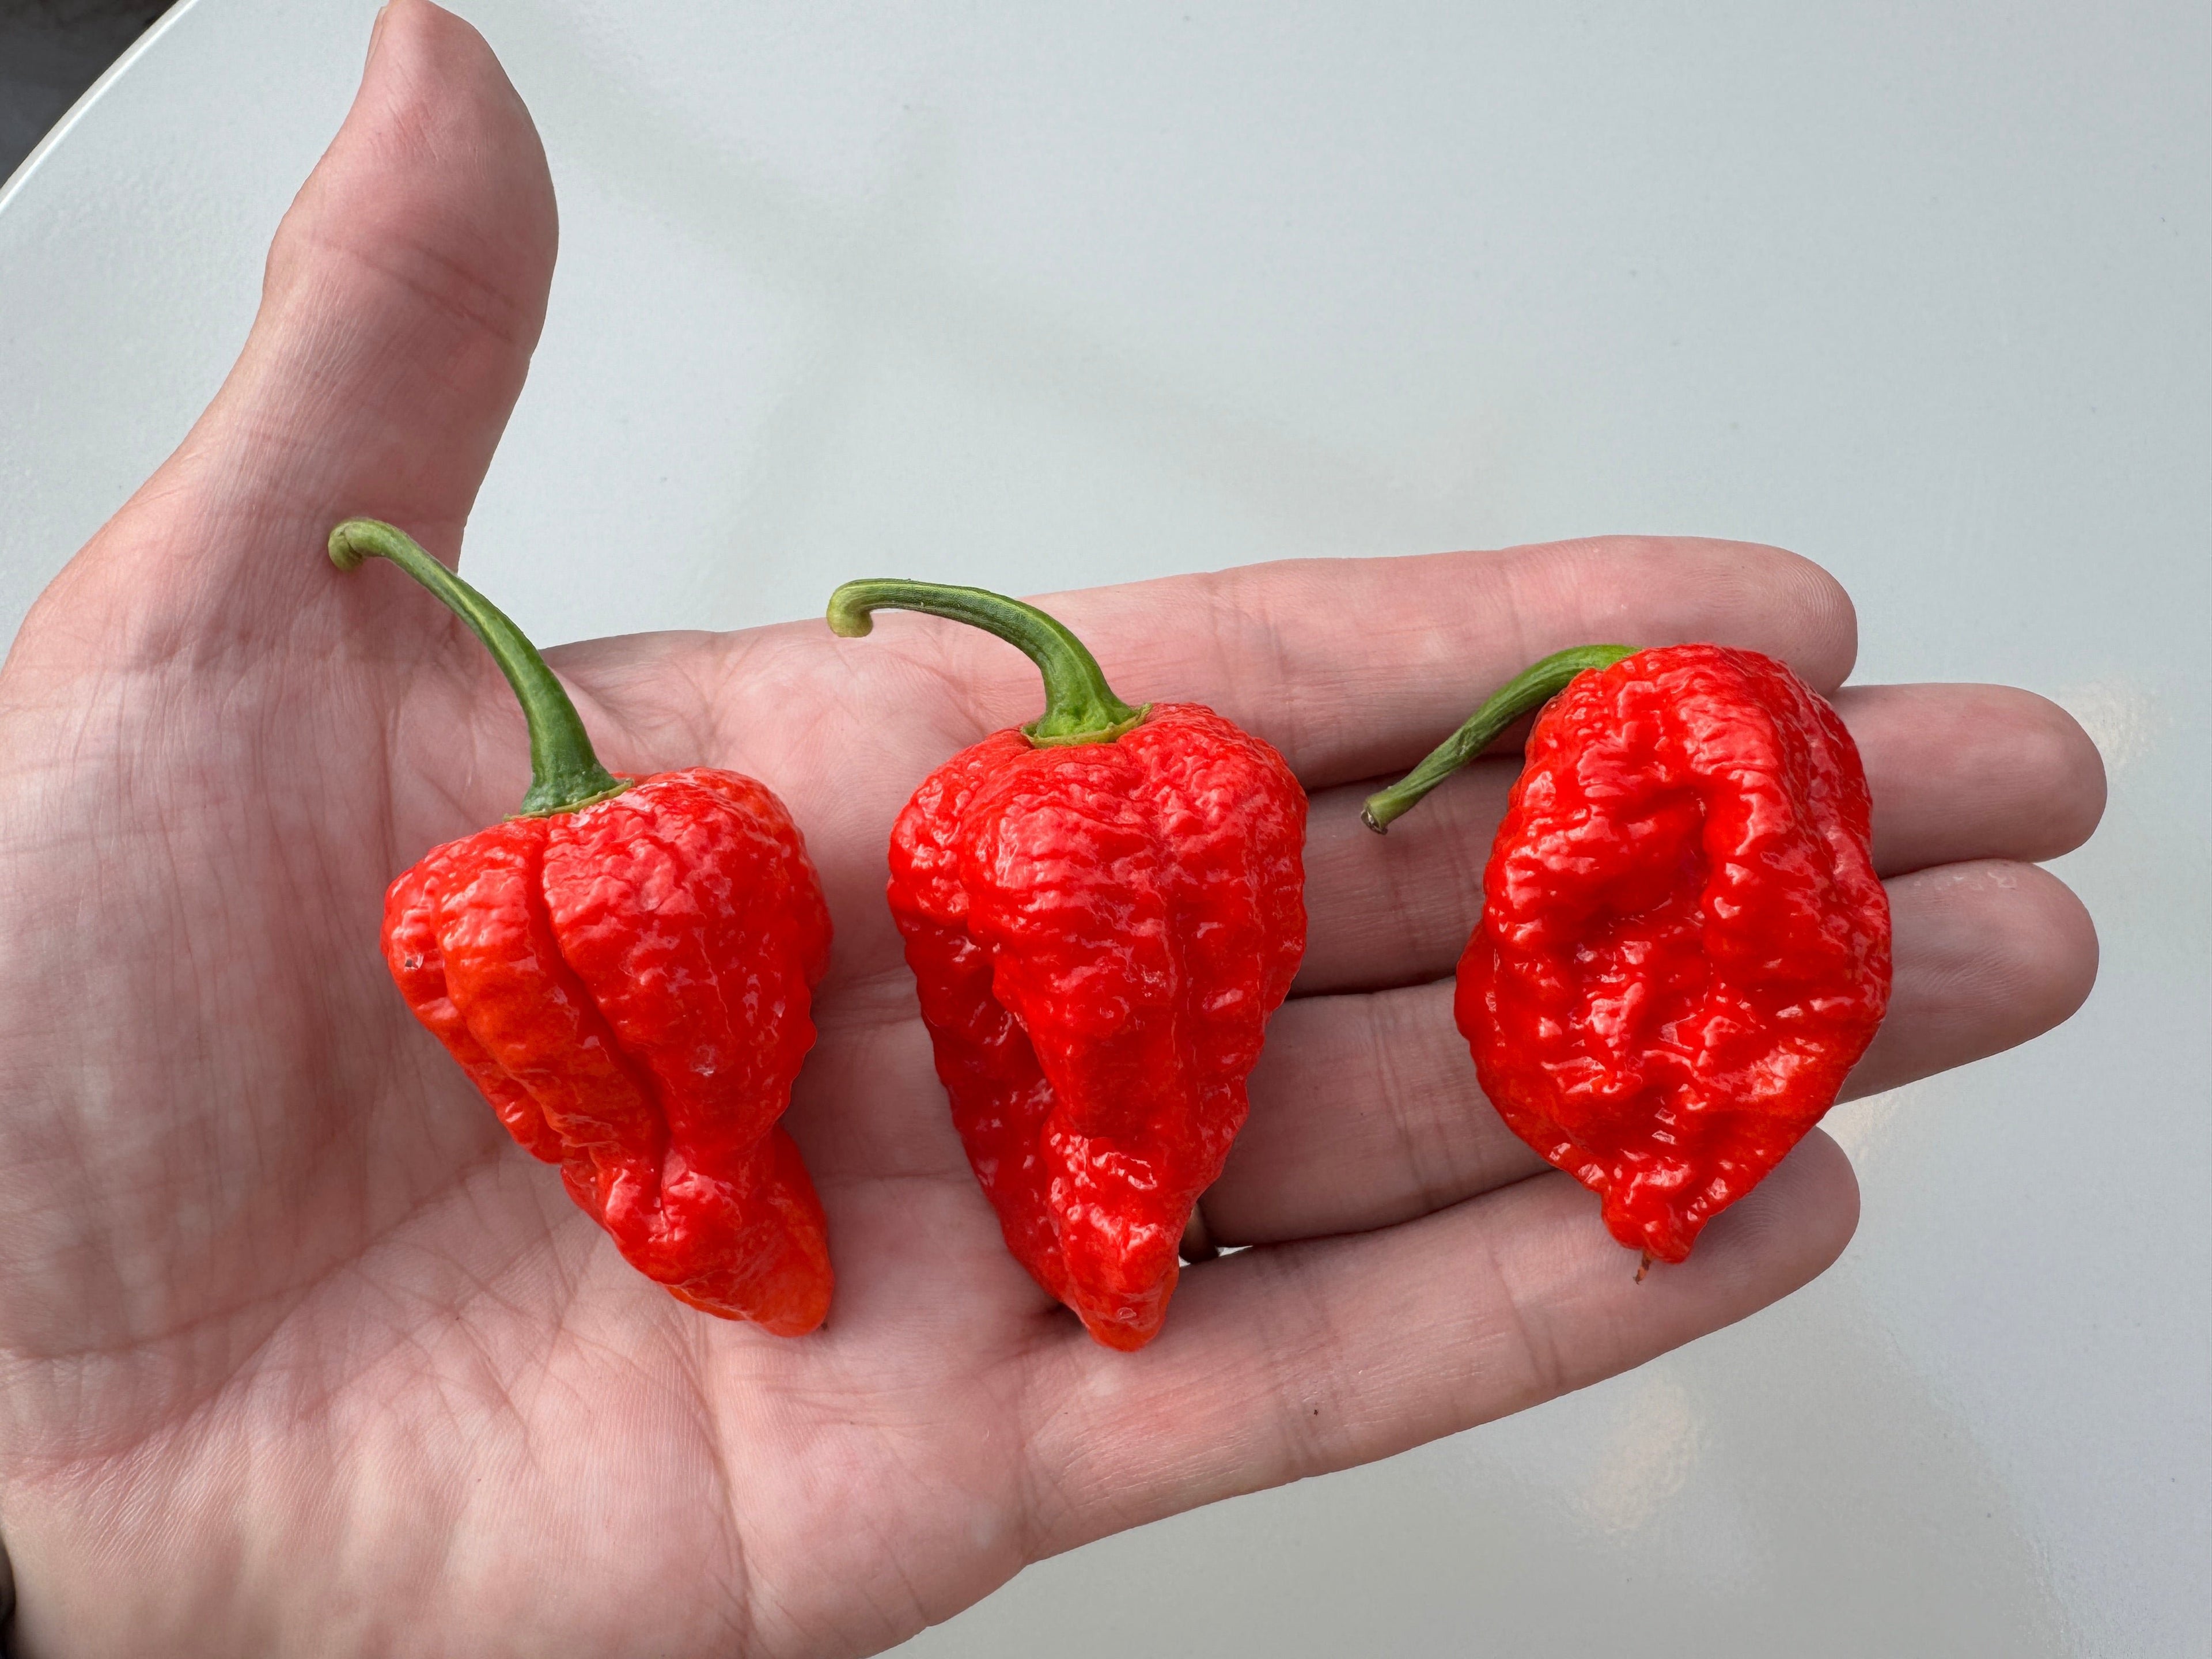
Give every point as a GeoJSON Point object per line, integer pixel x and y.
{"type": "Point", "coordinates": [300, 1353]}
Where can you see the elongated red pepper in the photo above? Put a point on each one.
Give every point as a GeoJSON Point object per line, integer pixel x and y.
{"type": "Point", "coordinates": [625, 971]}
{"type": "Point", "coordinates": [1101, 908]}
{"type": "Point", "coordinates": [1684, 947]}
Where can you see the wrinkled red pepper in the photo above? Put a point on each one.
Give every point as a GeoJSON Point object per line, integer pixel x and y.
{"type": "Point", "coordinates": [625, 971]}
{"type": "Point", "coordinates": [1684, 947]}
{"type": "Point", "coordinates": [1101, 908]}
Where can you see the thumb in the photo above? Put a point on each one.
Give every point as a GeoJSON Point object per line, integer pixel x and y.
{"type": "Point", "coordinates": [403, 294]}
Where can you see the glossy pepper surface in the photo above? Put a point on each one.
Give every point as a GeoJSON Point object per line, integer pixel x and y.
{"type": "Point", "coordinates": [1684, 947]}
{"type": "Point", "coordinates": [625, 971]}
{"type": "Point", "coordinates": [1101, 910]}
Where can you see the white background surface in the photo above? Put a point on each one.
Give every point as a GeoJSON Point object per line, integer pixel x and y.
{"type": "Point", "coordinates": [1035, 296]}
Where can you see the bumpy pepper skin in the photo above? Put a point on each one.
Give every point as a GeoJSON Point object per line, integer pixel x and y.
{"type": "Point", "coordinates": [629, 984]}
{"type": "Point", "coordinates": [1099, 934]}
{"type": "Point", "coordinates": [626, 971]}
{"type": "Point", "coordinates": [1684, 947]}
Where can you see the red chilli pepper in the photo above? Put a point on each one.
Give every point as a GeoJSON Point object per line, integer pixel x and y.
{"type": "Point", "coordinates": [1101, 908]}
{"type": "Point", "coordinates": [625, 969]}
{"type": "Point", "coordinates": [1684, 947]}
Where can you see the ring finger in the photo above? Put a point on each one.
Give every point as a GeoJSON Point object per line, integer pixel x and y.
{"type": "Point", "coordinates": [1365, 1111]}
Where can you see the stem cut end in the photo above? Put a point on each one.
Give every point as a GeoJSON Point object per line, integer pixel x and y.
{"type": "Point", "coordinates": [346, 552]}
{"type": "Point", "coordinates": [850, 612]}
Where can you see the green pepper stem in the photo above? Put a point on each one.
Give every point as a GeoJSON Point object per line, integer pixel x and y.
{"type": "Point", "coordinates": [564, 773]}
{"type": "Point", "coordinates": [1080, 706]}
{"type": "Point", "coordinates": [1530, 688]}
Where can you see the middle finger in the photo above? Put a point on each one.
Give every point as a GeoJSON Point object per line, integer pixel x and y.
{"type": "Point", "coordinates": [1958, 772]}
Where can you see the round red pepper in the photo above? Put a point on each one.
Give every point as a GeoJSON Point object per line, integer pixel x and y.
{"type": "Point", "coordinates": [1101, 908]}
{"type": "Point", "coordinates": [625, 971]}
{"type": "Point", "coordinates": [1684, 947]}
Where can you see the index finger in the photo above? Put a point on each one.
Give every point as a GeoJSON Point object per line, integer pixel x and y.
{"type": "Point", "coordinates": [1357, 667]}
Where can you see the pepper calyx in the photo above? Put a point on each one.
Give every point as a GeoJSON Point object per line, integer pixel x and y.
{"type": "Point", "coordinates": [1106, 734]}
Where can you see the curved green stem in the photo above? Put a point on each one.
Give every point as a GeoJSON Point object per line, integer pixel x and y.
{"type": "Point", "coordinates": [564, 773]}
{"type": "Point", "coordinates": [1080, 706]}
{"type": "Point", "coordinates": [1530, 688]}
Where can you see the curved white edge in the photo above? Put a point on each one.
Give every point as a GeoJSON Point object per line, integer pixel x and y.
{"type": "Point", "coordinates": [114, 72]}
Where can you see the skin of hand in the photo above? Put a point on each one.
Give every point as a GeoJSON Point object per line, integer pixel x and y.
{"type": "Point", "coordinates": [300, 1354]}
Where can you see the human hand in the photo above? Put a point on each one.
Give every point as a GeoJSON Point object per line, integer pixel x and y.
{"type": "Point", "coordinates": [302, 1354]}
